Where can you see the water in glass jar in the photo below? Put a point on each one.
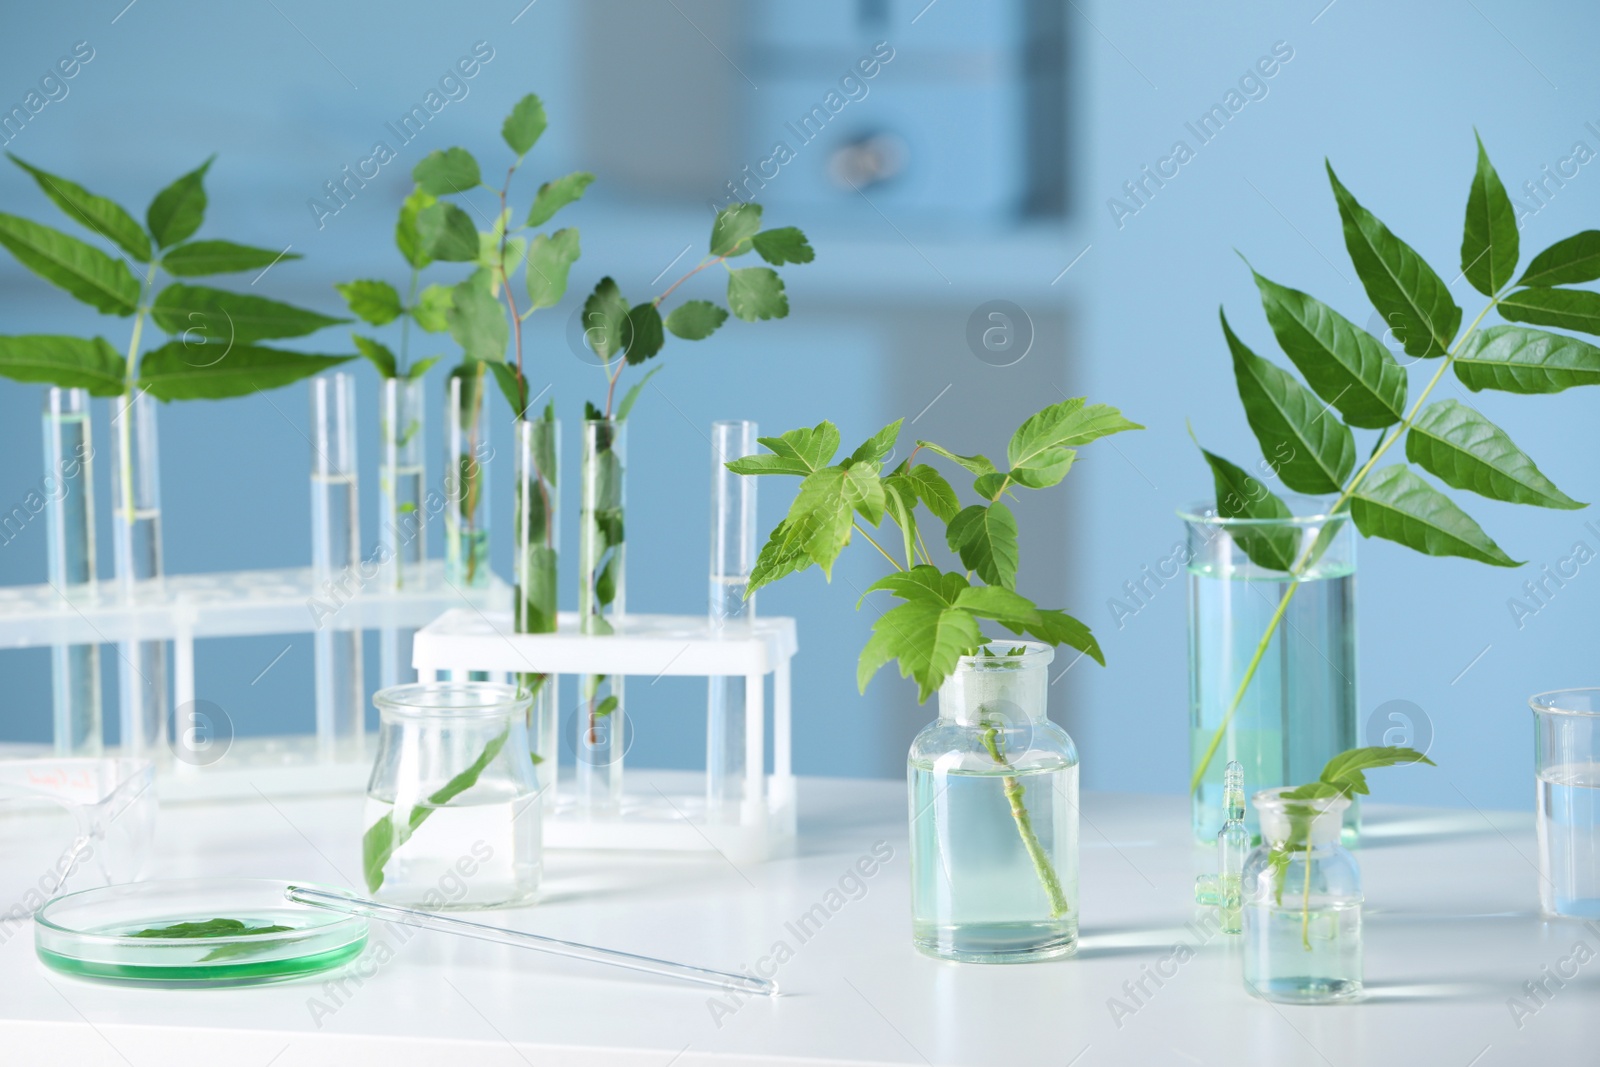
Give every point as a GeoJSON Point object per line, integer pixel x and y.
{"type": "Point", "coordinates": [1569, 853]}
{"type": "Point", "coordinates": [1303, 955]}
{"type": "Point", "coordinates": [481, 850]}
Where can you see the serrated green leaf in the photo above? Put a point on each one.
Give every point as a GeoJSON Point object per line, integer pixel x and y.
{"type": "Point", "coordinates": [877, 447]}
{"type": "Point", "coordinates": [432, 308]}
{"type": "Point", "coordinates": [757, 293]}
{"type": "Point", "coordinates": [200, 314]}
{"type": "Point", "coordinates": [1345, 774]}
{"type": "Point", "coordinates": [68, 362]}
{"type": "Point", "coordinates": [81, 269]}
{"type": "Point", "coordinates": [513, 387]}
{"type": "Point", "coordinates": [1395, 504]}
{"type": "Point", "coordinates": [802, 452]}
{"type": "Point", "coordinates": [979, 465]}
{"type": "Point", "coordinates": [783, 245]}
{"type": "Point", "coordinates": [1517, 360]}
{"type": "Point", "coordinates": [1575, 259]}
{"type": "Point", "coordinates": [900, 504]}
{"type": "Point", "coordinates": [177, 210]}
{"type": "Point", "coordinates": [1344, 365]}
{"type": "Point", "coordinates": [605, 320]}
{"type": "Point", "coordinates": [1321, 452]}
{"type": "Point", "coordinates": [443, 172]}
{"type": "Point", "coordinates": [1463, 449]}
{"type": "Point", "coordinates": [177, 371]}
{"type": "Point", "coordinates": [695, 320]}
{"type": "Point", "coordinates": [477, 321]}
{"type": "Point", "coordinates": [1570, 309]}
{"type": "Point", "coordinates": [105, 217]}
{"type": "Point", "coordinates": [524, 126]}
{"type": "Point", "coordinates": [735, 225]}
{"type": "Point", "coordinates": [375, 302]}
{"type": "Point", "coordinates": [990, 486]}
{"type": "Point", "coordinates": [780, 557]}
{"type": "Point", "coordinates": [1059, 628]}
{"type": "Point", "coordinates": [922, 582]}
{"type": "Point", "coordinates": [550, 261]}
{"type": "Point", "coordinates": [822, 515]}
{"type": "Point", "coordinates": [643, 336]}
{"type": "Point", "coordinates": [985, 537]}
{"type": "Point", "coordinates": [199, 258]}
{"type": "Point", "coordinates": [1240, 496]}
{"type": "Point", "coordinates": [1405, 290]}
{"type": "Point", "coordinates": [934, 492]}
{"type": "Point", "coordinates": [377, 354]}
{"type": "Point", "coordinates": [927, 639]}
{"type": "Point", "coordinates": [1489, 238]}
{"type": "Point", "coordinates": [557, 194]}
{"type": "Point", "coordinates": [407, 237]}
{"type": "Point", "coordinates": [1041, 450]}
{"type": "Point", "coordinates": [446, 233]}
{"type": "Point", "coordinates": [631, 397]}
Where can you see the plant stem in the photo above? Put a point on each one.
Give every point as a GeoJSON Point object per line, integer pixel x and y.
{"type": "Point", "coordinates": [1030, 840]}
{"type": "Point", "coordinates": [405, 323]}
{"type": "Point", "coordinates": [879, 547]}
{"type": "Point", "coordinates": [130, 370]}
{"type": "Point", "coordinates": [1307, 559]}
{"type": "Point", "coordinates": [1305, 903]}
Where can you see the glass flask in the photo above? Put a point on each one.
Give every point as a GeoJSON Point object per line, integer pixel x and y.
{"type": "Point", "coordinates": [453, 806]}
{"type": "Point", "coordinates": [1567, 761]}
{"type": "Point", "coordinates": [1281, 707]}
{"type": "Point", "coordinates": [994, 816]}
{"type": "Point", "coordinates": [600, 732]}
{"type": "Point", "coordinates": [1302, 904]}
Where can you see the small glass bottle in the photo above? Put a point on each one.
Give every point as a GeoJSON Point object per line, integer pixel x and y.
{"type": "Point", "coordinates": [453, 807]}
{"type": "Point", "coordinates": [994, 816]}
{"type": "Point", "coordinates": [1302, 904]}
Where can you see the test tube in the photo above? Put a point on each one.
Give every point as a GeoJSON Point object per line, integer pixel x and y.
{"type": "Point", "coordinates": [136, 544]}
{"type": "Point", "coordinates": [402, 528]}
{"type": "Point", "coordinates": [536, 529]}
{"type": "Point", "coordinates": [69, 519]}
{"type": "Point", "coordinates": [335, 556]}
{"type": "Point", "coordinates": [466, 481]}
{"type": "Point", "coordinates": [733, 556]}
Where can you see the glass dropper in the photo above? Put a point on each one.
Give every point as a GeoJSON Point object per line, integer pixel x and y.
{"type": "Point", "coordinates": [350, 904]}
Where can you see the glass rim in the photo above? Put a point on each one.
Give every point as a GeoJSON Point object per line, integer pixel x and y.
{"type": "Point", "coordinates": [1551, 702]}
{"type": "Point", "coordinates": [1275, 799]}
{"type": "Point", "coordinates": [1034, 653]}
{"type": "Point", "coordinates": [1204, 513]}
{"type": "Point", "coordinates": [411, 700]}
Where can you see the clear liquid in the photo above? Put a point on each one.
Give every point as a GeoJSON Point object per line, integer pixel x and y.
{"type": "Point", "coordinates": [976, 894]}
{"type": "Point", "coordinates": [1569, 851]}
{"type": "Point", "coordinates": [404, 519]}
{"type": "Point", "coordinates": [333, 523]}
{"type": "Point", "coordinates": [1300, 708]}
{"type": "Point", "coordinates": [725, 705]}
{"type": "Point", "coordinates": [74, 670]}
{"type": "Point", "coordinates": [1279, 966]}
{"type": "Point", "coordinates": [481, 854]}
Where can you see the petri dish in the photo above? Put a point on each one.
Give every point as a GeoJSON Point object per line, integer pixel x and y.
{"type": "Point", "coordinates": [193, 932]}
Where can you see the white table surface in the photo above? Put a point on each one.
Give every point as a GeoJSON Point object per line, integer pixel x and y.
{"type": "Point", "coordinates": [1452, 932]}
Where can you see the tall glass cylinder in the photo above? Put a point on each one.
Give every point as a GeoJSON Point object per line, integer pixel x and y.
{"type": "Point", "coordinates": [1566, 728]}
{"type": "Point", "coordinates": [1272, 650]}
{"type": "Point", "coordinates": [733, 557]}
{"type": "Point", "coordinates": [601, 726]}
{"type": "Point", "coordinates": [69, 519]}
{"type": "Point", "coordinates": [335, 559]}
{"type": "Point", "coordinates": [466, 480]}
{"type": "Point", "coordinates": [136, 545]}
{"type": "Point", "coordinates": [536, 530]}
{"type": "Point", "coordinates": [402, 525]}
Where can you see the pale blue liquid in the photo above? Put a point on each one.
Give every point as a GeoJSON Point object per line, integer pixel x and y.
{"type": "Point", "coordinates": [1279, 966]}
{"type": "Point", "coordinates": [725, 704]}
{"type": "Point", "coordinates": [1569, 851]}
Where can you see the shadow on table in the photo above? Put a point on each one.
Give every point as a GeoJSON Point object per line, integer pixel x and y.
{"type": "Point", "coordinates": [1393, 831]}
{"type": "Point", "coordinates": [1433, 992]}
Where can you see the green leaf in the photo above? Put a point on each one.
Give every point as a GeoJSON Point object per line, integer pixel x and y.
{"type": "Point", "coordinates": [1407, 293]}
{"type": "Point", "coordinates": [922, 582]}
{"type": "Point", "coordinates": [375, 302]}
{"type": "Point", "coordinates": [1570, 309]}
{"type": "Point", "coordinates": [979, 465]}
{"type": "Point", "coordinates": [605, 320]}
{"type": "Point", "coordinates": [934, 492]}
{"type": "Point", "coordinates": [1346, 771]}
{"type": "Point", "coordinates": [477, 321]}
{"type": "Point", "coordinates": [1395, 504]}
{"type": "Point", "coordinates": [735, 225]}
{"type": "Point", "coordinates": [928, 639]}
{"type": "Point", "coordinates": [105, 217]}
{"type": "Point", "coordinates": [420, 367]}
{"type": "Point", "coordinates": [1240, 496]}
{"type": "Point", "coordinates": [177, 210]}
{"type": "Point", "coordinates": [784, 245]}
{"type": "Point", "coordinates": [216, 316]}
{"type": "Point", "coordinates": [757, 293]}
{"type": "Point", "coordinates": [1286, 418]}
{"type": "Point", "coordinates": [990, 486]}
{"type": "Point", "coordinates": [877, 447]}
{"type": "Point", "coordinates": [986, 540]}
{"type": "Point", "coordinates": [452, 170]}
{"type": "Point", "coordinates": [1489, 239]}
{"type": "Point", "coordinates": [1041, 449]}
{"type": "Point", "coordinates": [432, 308]}
{"type": "Point", "coordinates": [523, 127]}
{"type": "Point", "coordinates": [643, 335]}
{"type": "Point", "coordinates": [177, 371]}
{"type": "Point", "coordinates": [514, 388]}
{"type": "Point", "coordinates": [550, 261]}
{"type": "Point", "coordinates": [1461, 448]}
{"type": "Point", "coordinates": [695, 320]}
{"type": "Point", "coordinates": [779, 558]}
{"type": "Point", "coordinates": [376, 354]}
{"type": "Point", "coordinates": [446, 233]}
{"type": "Point", "coordinates": [821, 517]}
{"type": "Point", "coordinates": [900, 504]}
{"type": "Point", "coordinates": [800, 452]}
{"type": "Point", "coordinates": [81, 269]}
{"type": "Point", "coordinates": [199, 258]}
{"type": "Point", "coordinates": [1346, 366]}
{"type": "Point", "coordinates": [68, 362]}
{"type": "Point", "coordinates": [1575, 259]}
{"type": "Point", "coordinates": [1059, 628]}
{"type": "Point", "coordinates": [1516, 360]}
{"type": "Point", "coordinates": [407, 237]}
{"type": "Point", "coordinates": [557, 194]}
{"type": "Point", "coordinates": [631, 397]}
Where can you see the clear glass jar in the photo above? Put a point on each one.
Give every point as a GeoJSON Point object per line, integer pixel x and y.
{"type": "Point", "coordinates": [1302, 904]}
{"type": "Point", "coordinates": [453, 807]}
{"type": "Point", "coordinates": [994, 816]}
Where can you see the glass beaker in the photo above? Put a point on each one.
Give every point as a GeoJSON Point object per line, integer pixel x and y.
{"type": "Point", "coordinates": [1302, 904]}
{"type": "Point", "coordinates": [994, 816]}
{"type": "Point", "coordinates": [1566, 725]}
{"type": "Point", "coordinates": [453, 807]}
